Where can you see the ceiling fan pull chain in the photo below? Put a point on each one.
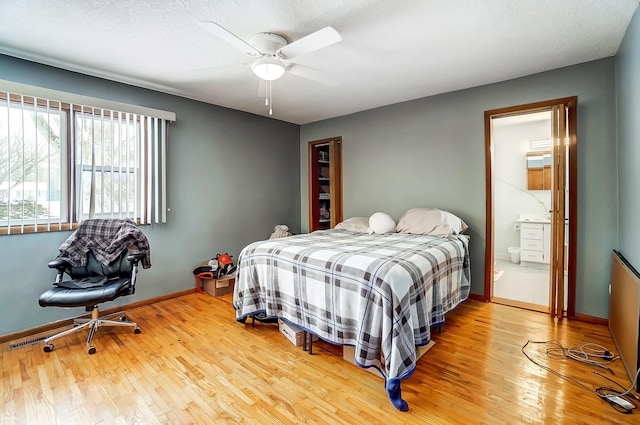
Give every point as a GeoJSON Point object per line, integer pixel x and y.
{"type": "Point", "coordinates": [270, 100]}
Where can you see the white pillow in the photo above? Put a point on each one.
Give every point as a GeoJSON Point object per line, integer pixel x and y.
{"type": "Point", "coordinates": [430, 221]}
{"type": "Point", "coordinates": [457, 224]}
{"type": "Point", "coordinates": [381, 223]}
{"type": "Point", "coordinates": [355, 224]}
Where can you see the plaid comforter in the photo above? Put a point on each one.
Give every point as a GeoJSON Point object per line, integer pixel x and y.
{"type": "Point", "coordinates": [379, 293]}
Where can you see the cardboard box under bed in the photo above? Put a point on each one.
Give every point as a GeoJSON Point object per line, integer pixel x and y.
{"type": "Point", "coordinates": [296, 336]}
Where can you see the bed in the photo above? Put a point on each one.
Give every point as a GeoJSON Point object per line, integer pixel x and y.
{"type": "Point", "coordinates": [381, 293]}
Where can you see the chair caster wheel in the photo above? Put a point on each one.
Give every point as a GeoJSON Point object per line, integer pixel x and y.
{"type": "Point", "coordinates": [48, 348]}
{"type": "Point", "coordinates": [122, 318]}
{"type": "Point", "coordinates": [91, 350]}
{"type": "Point", "coordinates": [137, 330]}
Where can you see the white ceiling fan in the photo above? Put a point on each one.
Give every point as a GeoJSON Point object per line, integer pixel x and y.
{"type": "Point", "coordinates": [274, 55]}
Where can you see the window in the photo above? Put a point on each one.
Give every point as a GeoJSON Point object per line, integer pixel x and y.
{"type": "Point", "coordinates": [61, 163]}
{"type": "Point", "coordinates": [108, 161]}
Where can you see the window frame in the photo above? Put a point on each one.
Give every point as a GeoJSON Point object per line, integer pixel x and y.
{"type": "Point", "coordinates": [149, 144]}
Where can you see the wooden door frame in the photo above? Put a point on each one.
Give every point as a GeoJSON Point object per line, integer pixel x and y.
{"type": "Point", "coordinates": [571, 102]}
{"type": "Point", "coordinates": [335, 152]}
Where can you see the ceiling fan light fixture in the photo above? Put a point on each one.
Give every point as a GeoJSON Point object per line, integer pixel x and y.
{"type": "Point", "coordinates": [268, 68]}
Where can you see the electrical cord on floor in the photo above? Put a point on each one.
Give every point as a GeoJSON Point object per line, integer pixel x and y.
{"type": "Point", "coordinates": [618, 384]}
{"type": "Point", "coordinates": [589, 353]}
{"type": "Point", "coordinates": [621, 401]}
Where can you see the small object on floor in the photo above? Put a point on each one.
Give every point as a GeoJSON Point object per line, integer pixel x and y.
{"type": "Point", "coordinates": [199, 278]}
{"type": "Point", "coordinates": [497, 274]}
{"type": "Point", "coordinates": [202, 272]}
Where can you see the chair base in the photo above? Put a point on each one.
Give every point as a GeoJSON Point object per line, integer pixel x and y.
{"type": "Point", "coordinates": [92, 324]}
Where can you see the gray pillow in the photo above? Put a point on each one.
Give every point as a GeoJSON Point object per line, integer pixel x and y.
{"type": "Point", "coordinates": [355, 224]}
{"type": "Point", "coordinates": [430, 221]}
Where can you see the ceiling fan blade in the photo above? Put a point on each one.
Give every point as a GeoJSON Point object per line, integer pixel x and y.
{"type": "Point", "coordinates": [311, 74]}
{"type": "Point", "coordinates": [314, 41]}
{"type": "Point", "coordinates": [229, 37]}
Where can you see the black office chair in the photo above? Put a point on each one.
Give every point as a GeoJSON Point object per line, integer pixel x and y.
{"type": "Point", "coordinates": [93, 282]}
{"type": "Point", "coordinates": [89, 286]}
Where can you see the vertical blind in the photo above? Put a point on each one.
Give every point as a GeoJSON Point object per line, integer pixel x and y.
{"type": "Point", "coordinates": [62, 162]}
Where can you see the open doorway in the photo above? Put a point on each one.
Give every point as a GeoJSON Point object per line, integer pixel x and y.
{"type": "Point", "coordinates": [532, 206]}
{"type": "Point", "coordinates": [522, 209]}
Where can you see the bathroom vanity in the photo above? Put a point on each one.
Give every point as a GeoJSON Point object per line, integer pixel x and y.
{"type": "Point", "coordinates": [535, 242]}
{"type": "Point", "coordinates": [535, 238]}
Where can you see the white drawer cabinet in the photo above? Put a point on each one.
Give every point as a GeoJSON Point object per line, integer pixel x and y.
{"type": "Point", "coordinates": [535, 242]}
{"type": "Point", "coordinates": [531, 244]}
{"type": "Point", "coordinates": [531, 231]}
{"type": "Point", "coordinates": [531, 256]}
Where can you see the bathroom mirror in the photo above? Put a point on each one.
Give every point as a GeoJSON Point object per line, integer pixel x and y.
{"type": "Point", "coordinates": [539, 170]}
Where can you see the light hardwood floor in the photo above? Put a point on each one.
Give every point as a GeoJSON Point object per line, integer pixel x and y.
{"type": "Point", "coordinates": [193, 363]}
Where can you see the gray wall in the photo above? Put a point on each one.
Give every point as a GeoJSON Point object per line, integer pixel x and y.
{"type": "Point", "coordinates": [226, 188]}
{"type": "Point", "coordinates": [429, 152]}
{"type": "Point", "coordinates": [628, 112]}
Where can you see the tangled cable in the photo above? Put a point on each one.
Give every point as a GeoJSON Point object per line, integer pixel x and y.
{"type": "Point", "coordinates": [589, 353]}
{"type": "Point", "coordinates": [595, 355]}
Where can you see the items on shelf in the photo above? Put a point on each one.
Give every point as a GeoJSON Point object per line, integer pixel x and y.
{"type": "Point", "coordinates": [324, 212]}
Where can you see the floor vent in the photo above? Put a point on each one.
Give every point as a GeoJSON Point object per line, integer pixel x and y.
{"type": "Point", "coordinates": [28, 342]}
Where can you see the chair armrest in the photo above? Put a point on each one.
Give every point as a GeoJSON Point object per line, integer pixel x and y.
{"type": "Point", "coordinates": [134, 257]}
{"type": "Point", "coordinates": [59, 264]}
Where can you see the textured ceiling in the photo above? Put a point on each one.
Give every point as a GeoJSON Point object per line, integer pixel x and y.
{"type": "Point", "coordinates": [391, 51]}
